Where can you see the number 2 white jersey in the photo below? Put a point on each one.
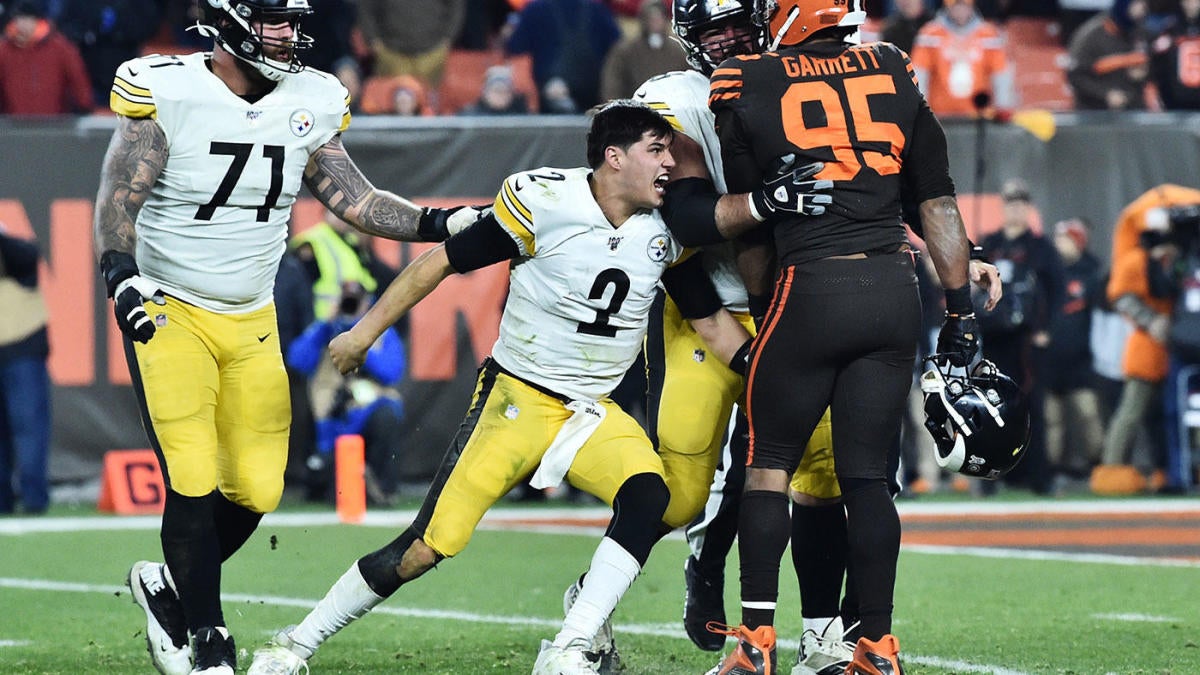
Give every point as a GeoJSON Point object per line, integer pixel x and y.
{"type": "Point", "coordinates": [681, 96]}
{"type": "Point", "coordinates": [579, 296]}
{"type": "Point", "coordinates": [216, 222]}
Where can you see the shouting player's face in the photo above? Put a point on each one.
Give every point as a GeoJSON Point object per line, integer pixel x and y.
{"type": "Point", "coordinates": [276, 35]}
{"type": "Point", "coordinates": [646, 169]}
{"type": "Point", "coordinates": [726, 42]}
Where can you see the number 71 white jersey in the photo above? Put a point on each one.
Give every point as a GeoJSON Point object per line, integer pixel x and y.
{"type": "Point", "coordinates": [216, 222]}
{"type": "Point", "coordinates": [681, 96]}
{"type": "Point", "coordinates": [580, 294]}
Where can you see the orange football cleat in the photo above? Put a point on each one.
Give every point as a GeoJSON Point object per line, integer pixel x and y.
{"type": "Point", "coordinates": [876, 658]}
{"type": "Point", "coordinates": [754, 654]}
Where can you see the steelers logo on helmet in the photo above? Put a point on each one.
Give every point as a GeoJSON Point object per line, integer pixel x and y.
{"type": "Point", "coordinates": [979, 421]}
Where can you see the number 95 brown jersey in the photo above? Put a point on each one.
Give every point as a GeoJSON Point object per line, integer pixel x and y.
{"type": "Point", "coordinates": [856, 108]}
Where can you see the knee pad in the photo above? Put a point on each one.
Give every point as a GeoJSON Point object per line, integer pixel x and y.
{"type": "Point", "coordinates": [638, 508]}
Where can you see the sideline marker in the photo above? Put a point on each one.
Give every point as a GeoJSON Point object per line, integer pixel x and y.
{"type": "Point", "coordinates": [131, 483]}
{"type": "Point", "coordinates": [350, 470]}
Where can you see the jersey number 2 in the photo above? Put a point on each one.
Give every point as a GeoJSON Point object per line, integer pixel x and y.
{"type": "Point", "coordinates": [620, 283]}
{"type": "Point", "coordinates": [241, 155]}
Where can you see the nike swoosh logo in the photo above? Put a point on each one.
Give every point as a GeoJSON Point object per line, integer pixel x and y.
{"type": "Point", "coordinates": [264, 337]}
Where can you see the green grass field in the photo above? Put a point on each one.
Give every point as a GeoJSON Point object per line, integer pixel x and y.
{"type": "Point", "coordinates": [64, 608]}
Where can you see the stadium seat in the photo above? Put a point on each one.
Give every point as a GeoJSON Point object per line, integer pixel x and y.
{"type": "Point", "coordinates": [1027, 31]}
{"type": "Point", "coordinates": [1039, 60]}
{"type": "Point", "coordinates": [1041, 77]}
{"type": "Point", "coordinates": [464, 75]}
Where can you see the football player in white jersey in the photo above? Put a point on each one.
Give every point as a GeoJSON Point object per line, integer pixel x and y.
{"type": "Point", "coordinates": [191, 221]}
{"type": "Point", "coordinates": [588, 249]}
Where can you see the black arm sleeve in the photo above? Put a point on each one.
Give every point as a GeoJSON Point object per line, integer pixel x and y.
{"type": "Point", "coordinates": [484, 243]}
{"type": "Point", "coordinates": [922, 181]}
{"type": "Point", "coordinates": [691, 288]}
{"type": "Point", "coordinates": [742, 172]}
{"type": "Point", "coordinates": [690, 211]}
{"type": "Point", "coordinates": [926, 167]}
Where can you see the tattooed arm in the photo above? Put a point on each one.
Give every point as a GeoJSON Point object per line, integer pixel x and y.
{"type": "Point", "coordinates": [332, 177]}
{"type": "Point", "coordinates": [135, 158]}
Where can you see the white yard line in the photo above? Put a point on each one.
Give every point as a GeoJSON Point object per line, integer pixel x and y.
{"type": "Point", "coordinates": [653, 630]}
{"type": "Point", "coordinates": [1137, 618]}
{"type": "Point", "coordinates": [507, 514]}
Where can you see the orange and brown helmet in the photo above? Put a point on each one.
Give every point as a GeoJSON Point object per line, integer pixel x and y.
{"type": "Point", "coordinates": [787, 23]}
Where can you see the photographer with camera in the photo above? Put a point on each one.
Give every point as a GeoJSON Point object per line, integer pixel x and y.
{"type": "Point", "coordinates": [1142, 288]}
{"type": "Point", "coordinates": [1176, 277]}
{"type": "Point", "coordinates": [364, 402]}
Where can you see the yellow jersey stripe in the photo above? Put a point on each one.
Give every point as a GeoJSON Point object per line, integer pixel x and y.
{"type": "Point", "coordinates": [519, 209]}
{"type": "Point", "coordinates": [345, 122]}
{"type": "Point", "coordinates": [511, 219]}
{"type": "Point", "coordinates": [129, 108]}
{"type": "Point", "coordinates": [130, 87]}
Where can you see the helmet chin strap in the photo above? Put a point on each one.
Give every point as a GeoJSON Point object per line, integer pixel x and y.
{"type": "Point", "coordinates": [933, 382]}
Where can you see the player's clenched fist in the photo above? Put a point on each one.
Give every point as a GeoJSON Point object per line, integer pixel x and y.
{"type": "Point", "coordinates": [348, 352]}
{"type": "Point", "coordinates": [129, 292]}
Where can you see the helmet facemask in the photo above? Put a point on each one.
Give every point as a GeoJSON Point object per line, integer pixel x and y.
{"type": "Point", "coordinates": [237, 27]}
{"type": "Point", "coordinates": [979, 422]}
{"type": "Point", "coordinates": [713, 32]}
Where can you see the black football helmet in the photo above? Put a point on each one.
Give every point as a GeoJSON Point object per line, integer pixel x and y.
{"type": "Point", "coordinates": [979, 421]}
{"type": "Point", "coordinates": [700, 25]}
{"type": "Point", "coordinates": [236, 25]}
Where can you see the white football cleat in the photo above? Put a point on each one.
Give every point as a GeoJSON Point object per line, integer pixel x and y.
{"type": "Point", "coordinates": [824, 654]}
{"type": "Point", "coordinates": [277, 658]}
{"type": "Point", "coordinates": [573, 659]}
{"type": "Point", "coordinates": [603, 646]}
{"type": "Point", "coordinates": [166, 629]}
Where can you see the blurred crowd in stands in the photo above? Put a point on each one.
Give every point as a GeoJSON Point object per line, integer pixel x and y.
{"type": "Point", "coordinates": [494, 57]}
{"type": "Point", "coordinates": [1093, 348]}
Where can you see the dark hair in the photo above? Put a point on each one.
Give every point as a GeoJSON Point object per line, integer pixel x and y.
{"type": "Point", "coordinates": [622, 123]}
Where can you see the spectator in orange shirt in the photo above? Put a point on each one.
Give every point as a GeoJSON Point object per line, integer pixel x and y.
{"type": "Point", "coordinates": [41, 72]}
{"type": "Point", "coordinates": [960, 61]}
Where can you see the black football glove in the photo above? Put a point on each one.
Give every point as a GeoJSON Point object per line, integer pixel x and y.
{"type": "Point", "coordinates": [130, 292]}
{"type": "Point", "coordinates": [787, 189]}
{"type": "Point", "coordinates": [437, 224]}
{"type": "Point", "coordinates": [959, 339]}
